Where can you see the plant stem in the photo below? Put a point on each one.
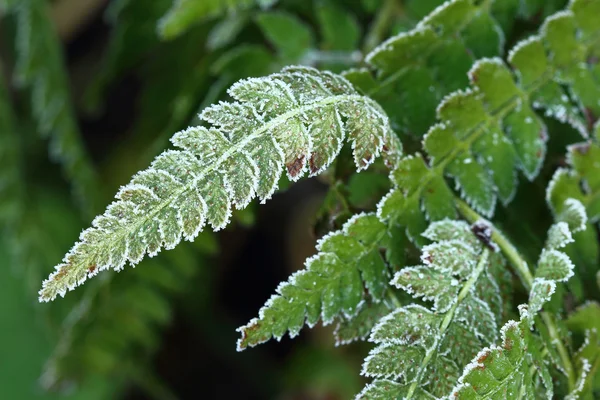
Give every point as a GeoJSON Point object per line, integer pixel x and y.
{"type": "Point", "coordinates": [380, 25]}
{"type": "Point", "coordinates": [507, 248]}
{"type": "Point", "coordinates": [464, 292]}
{"type": "Point", "coordinates": [393, 299]}
{"type": "Point", "coordinates": [513, 256]}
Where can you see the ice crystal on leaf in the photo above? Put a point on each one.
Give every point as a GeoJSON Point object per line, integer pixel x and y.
{"type": "Point", "coordinates": [297, 119]}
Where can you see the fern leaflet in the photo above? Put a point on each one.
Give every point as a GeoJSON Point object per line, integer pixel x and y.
{"type": "Point", "coordinates": [333, 284]}
{"type": "Point", "coordinates": [456, 268]}
{"type": "Point", "coordinates": [429, 61]}
{"type": "Point", "coordinates": [298, 118]}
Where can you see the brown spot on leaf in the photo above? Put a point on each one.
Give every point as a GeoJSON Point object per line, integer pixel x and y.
{"type": "Point", "coordinates": [483, 232]}
{"type": "Point", "coordinates": [590, 118]}
{"type": "Point", "coordinates": [366, 159]}
{"type": "Point", "coordinates": [581, 148]}
{"type": "Point", "coordinates": [295, 167]}
{"type": "Point", "coordinates": [483, 357]}
{"type": "Point", "coordinates": [92, 268]}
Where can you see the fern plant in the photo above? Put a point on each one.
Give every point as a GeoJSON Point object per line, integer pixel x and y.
{"type": "Point", "coordinates": [468, 319]}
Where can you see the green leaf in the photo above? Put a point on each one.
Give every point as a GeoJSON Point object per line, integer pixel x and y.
{"type": "Point", "coordinates": [585, 317]}
{"type": "Point", "coordinates": [486, 132]}
{"type": "Point", "coordinates": [384, 389]}
{"type": "Point", "coordinates": [284, 119]}
{"type": "Point", "coordinates": [554, 266]}
{"type": "Point", "coordinates": [333, 285]}
{"type": "Point", "coordinates": [432, 60]}
{"type": "Point", "coordinates": [359, 327]}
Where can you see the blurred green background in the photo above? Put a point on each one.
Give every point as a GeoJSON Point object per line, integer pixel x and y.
{"type": "Point", "coordinates": [90, 92]}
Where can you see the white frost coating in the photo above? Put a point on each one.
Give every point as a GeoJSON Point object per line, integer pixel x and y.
{"type": "Point", "coordinates": [477, 64]}
{"type": "Point", "coordinates": [516, 48]}
{"type": "Point", "coordinates": [482, 355]}
{"type": "Point", "coordinates": [326, 271]}
{"type": "Point", "coordinates": [477, 205]}
{"type": "Point", "coordinates": [390, 322]}
{"type": "Point", "coordinates": [586, 367]}
{"type": "Point", "coordinates": [575, 211]}
{"type": "Point", "coordinates": [382, 204]}
{"type": "Point", "coordinates": [557, 263]}
{"type": "Point", "coordinates": [559, 236]}
{"type": "Point", "coordinates": [227, 165]}
{"type": "Point", "coordinates": [447, 99]}
{"type": "Point", "coordinates": [556, 16]}
{"type": "Point", "coordinates": [434, 13]}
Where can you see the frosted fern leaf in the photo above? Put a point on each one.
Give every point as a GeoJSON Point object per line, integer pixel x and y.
{"type": "Point", "coordinates": [334, 284]}
{"type": "Point", "coordinates": [297, 119]}
{"type": "Point", "coordinates": [420, 348]}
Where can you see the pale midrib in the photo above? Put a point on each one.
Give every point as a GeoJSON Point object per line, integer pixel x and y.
{"type": "Point", "coordinates": [118, 236]}
{"type": "Point", "coordinates": [449, 318]}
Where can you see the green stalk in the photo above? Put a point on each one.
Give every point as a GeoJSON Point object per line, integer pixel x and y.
{"type": "Point", "coordinates": [448, 319]}
{"type": "Point", "coordinates": [380, 25]}
{"type": "Point", "coordinates": [513, 256]}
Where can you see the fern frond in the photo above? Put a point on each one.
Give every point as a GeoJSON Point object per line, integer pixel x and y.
{"type": "Point", "coordinates": [489, 131]}
{"type": "Point", "coordinates": [429, 62]}
{"type": "Point", "coordinates": [334, 284]}
{"type": "Point", "coordinates": [517, 367]}
{"type": "Point", "coordinates": [185, 13]}
{"type": "Point", "coordinates": [298, 118]}
{"type": "Point", "coordinates": [423, 348]}
{"type": "Point", "coordinates": [40, 68]}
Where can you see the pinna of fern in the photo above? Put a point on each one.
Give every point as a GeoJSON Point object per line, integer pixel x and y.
{"type": "Point", "coordinates": [421, 350]}
{"type": "Point", "coordinates": [489, 131]}
{"type": "Point", "coordinates": [297, 119]}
